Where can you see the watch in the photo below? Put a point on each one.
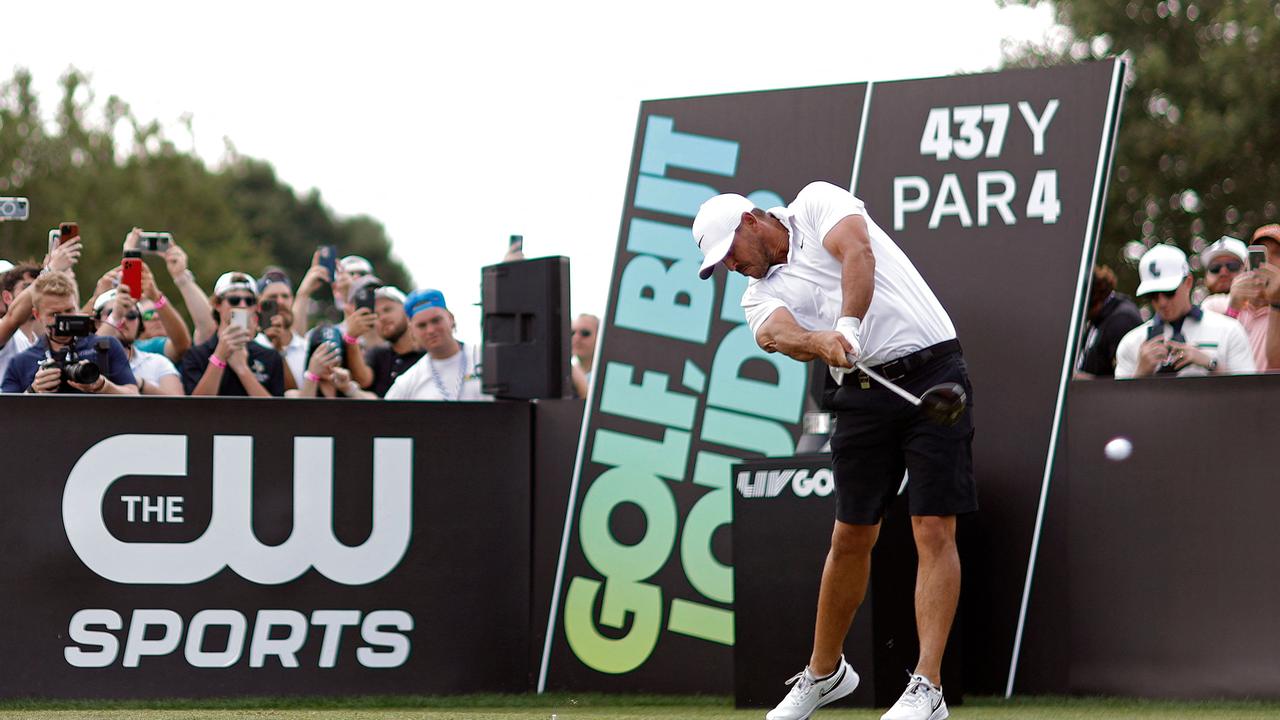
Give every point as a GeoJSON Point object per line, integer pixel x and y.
{"type": "Point", "coordinates": [1213, 365]}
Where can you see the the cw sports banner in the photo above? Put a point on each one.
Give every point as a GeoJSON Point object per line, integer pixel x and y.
{"type": "Point", "coordinates": [241, 547]}
{"type": "Point", "coordinates": [990, 183]}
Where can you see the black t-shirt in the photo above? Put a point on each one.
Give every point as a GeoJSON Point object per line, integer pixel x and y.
{"type": "Point", "coordinates": [387, 365]}
{"type": "Point", "coordinates": [266, 364]}
{"type": "Point", "coordinates": [1119, 315]}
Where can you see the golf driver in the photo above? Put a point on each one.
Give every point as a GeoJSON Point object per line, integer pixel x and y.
{"type": "Point", "coordinates": [943, 404]}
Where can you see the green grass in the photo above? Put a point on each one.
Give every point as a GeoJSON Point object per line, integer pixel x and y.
{"type": "Point", "coordinates": [606, 707]}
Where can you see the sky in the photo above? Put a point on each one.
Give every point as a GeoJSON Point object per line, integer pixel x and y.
{"type": "Point", "coordinates": [459, 124]}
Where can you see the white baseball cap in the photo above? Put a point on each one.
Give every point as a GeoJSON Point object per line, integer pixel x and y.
{"type": "Point", "coordinates": [5, 266]}
{"type": "Point", "coordinates": [390, 292]}
{"type": "Point", "coordinates": [103, 299]}
{"type": "Point", "coordinates": [1225, 244]}
{"type": "Point", "coordinates": [355, 264]}
{"type": "Point", "coordinates": [714, 227]}
{"type": "Point", "coordinates": [232, 280]}
{"type": "Point", "coordinates": [1162, 269]}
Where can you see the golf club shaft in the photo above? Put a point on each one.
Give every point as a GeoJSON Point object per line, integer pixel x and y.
{"type": "Point", "coordinates": [887, 383]}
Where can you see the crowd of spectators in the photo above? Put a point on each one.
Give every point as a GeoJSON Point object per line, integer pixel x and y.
{"type": "Point", "coordinates": [1234, 328]}
{"type": "Point", "coordinates": [253, 335]}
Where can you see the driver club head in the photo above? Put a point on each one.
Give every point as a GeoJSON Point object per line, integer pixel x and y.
{"type": "Point", "coordinates": [945, 403]}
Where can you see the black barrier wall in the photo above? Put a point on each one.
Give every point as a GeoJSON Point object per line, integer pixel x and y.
{"type": "Point", "coordinates": [209, 547]}
{"type": "Point", "coordinates": [1157, 577]}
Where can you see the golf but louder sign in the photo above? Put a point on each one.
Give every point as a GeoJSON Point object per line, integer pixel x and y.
{"type": "Point", "coordinates": [992, 184]}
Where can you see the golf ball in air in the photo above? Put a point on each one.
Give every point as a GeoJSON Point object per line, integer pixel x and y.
{"type": "Point", "coordinates": [1118, 449]}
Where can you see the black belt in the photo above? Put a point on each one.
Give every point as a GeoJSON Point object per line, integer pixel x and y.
{"type": "Point", "coordinates": [901, 367]}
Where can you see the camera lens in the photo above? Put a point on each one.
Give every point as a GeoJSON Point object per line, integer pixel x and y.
{"type": "Point", "coordinates": [83, 372]}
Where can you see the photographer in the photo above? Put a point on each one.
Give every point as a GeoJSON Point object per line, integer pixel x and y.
{"type": "Point", "coordinates": [70, 358]}
{"type": "Point", "coordinates": [118, 316]}
{"type": "Point", "coordinates": [230, 363]}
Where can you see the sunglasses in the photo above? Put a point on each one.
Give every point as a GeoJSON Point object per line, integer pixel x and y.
{"type": "Point", "coordinates": [584, 332]}
{"type": "Point", "coordinates": [132, 315]}
{"type": "Point", "coordinates": [241, 300]}
{"type": "Point", "coordinates": [1165, 294]}
{"type": "Point", "coordinates": [1232, 265]}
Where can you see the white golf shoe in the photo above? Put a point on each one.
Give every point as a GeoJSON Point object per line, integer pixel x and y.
{"type": "Point", "coordinates": [921, 701]}
{"type": "Point", "coordinates": [809, 693]}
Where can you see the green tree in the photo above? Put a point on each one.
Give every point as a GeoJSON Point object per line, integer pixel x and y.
{"type": "Point", "coordinates": [1198, 155]}
{"type": "Point", "coordinates": [236, 217]}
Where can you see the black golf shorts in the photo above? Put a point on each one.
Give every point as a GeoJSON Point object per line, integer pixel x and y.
{"type": "Point", "coordinates": [878, 436]}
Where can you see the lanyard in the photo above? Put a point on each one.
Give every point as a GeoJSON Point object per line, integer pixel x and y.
{"type": "Point", "coordinates": [462, 375]}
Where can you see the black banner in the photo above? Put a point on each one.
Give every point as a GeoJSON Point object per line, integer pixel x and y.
{"type": "Point", "coordinates": [243, 547]}
{"type": "Point", "coordinates": [992, 185]}
{"type": "Point", "coordinates": [681, 392]}
{"type": "Point", "coordinates": [989, 182]}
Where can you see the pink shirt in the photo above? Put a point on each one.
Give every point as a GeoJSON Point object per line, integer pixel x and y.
{"type": "Point", "coordinates": [1255, 321]}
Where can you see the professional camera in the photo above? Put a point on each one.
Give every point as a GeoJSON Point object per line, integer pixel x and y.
{"type": "Point", "coordinates": [13, 208]}
{"type": "Point", "coordinates": [74, 368]}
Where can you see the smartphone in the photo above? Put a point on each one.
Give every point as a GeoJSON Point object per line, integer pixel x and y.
{"type": "Point", "coordinates": [327, 335]}
{"type": "Point", "coordinates": [329, 260]}
{"type": "Point", "coordinates": [515, 244]}
{"type": "Point", "coordinates": [68, 230]}
{"type": "Point", "coordinates": [155, 243]}
{"type": "Point", "coordinates": [240, 317]}
{"type": "Point", "coordinates": [1257, 256]}
{"type": "Point", "coordinates": [367, 296]}
{"type": "Point", "coordinates": [13, 208]}
{"type": "Point", "coordinates": [267, 310]}
{"type": "Point", "coordinates": [131, 272]}
{"type": "Point", "coordinates": [54, 236]}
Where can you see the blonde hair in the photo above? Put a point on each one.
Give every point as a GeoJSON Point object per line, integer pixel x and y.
{"type": "Point", "coordinates": [54, 284]}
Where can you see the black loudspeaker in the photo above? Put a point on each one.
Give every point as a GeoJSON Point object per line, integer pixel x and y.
{"type": "Point", "coordinates": [526, 329]}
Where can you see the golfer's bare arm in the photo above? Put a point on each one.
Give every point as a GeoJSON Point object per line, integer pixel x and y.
{"type": "Point", "coordinates": [850, 243]}
{"type": "Point", "coordinates": [781, 333]}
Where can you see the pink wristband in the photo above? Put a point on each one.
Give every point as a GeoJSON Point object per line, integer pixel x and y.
{"type": "Point", "coordinates": [161, 302]}
{"type": "Point", "coordinates": [1233, 312]}
{"type": "Point", "coordinates": [311, 377]}
{"type": "Point", "coordinates": [348, 339]}
{"type": "Point", "coordinates": [217, 362]}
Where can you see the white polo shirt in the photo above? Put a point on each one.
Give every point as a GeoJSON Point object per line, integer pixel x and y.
{"type": "Point", "coordinates": [1221, 337]}
{"type": "Point", "coordinates": [904, 315]}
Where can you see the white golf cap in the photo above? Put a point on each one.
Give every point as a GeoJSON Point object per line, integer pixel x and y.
{"type": "Point", "coordinates": [1162, 269]}
{"type": "Point", "coordinates": [355, 264]}
{"type": "Point", "coordinates": [390, 292]}
{"type": "Point", "coordinates": [233, 280]}
{"type": "Point", "coordinates": [5, 266]}
{"type": "Point", "coordinates": [1225, 244]}
{"type": "Point", "coordinates": [714, 227]}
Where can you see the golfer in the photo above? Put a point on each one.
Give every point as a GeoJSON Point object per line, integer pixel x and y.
{"type": "Point", "coordinates": [827, 282]}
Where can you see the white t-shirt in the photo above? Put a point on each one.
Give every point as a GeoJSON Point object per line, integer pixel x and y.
{"type": "Point", "coordinates": [150, 367]}
{"type": "Point", "coordinates": [904, 315]}
{"type": "Point", "coordinates": [1221, 337]}
{"type": "Point", "coordinates": [17, 345]}
{"type": "Point", "coordinates": [454, 378]}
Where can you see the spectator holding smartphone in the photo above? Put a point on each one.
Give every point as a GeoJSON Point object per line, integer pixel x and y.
{"type": "Point", "coordinates": [118, 316]}
{"type": "Point", "coordinates": [1241, 292]}
{"type": "Point", "coordinates": [1180, 339]}
{"type": "Point", "coordinates": [229, 363]}
{"type": "Point", "coordinates": [401, 352]}
{"type": "Point", "coordinates": [326, 378]}
{"type": "Point", "coordinates": [275, 318]}
{"type": "Point", "coordinates": [19, 328]}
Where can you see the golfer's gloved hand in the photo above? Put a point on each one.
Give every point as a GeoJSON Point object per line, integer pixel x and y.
{"type": "Point", "coordinates": [849, 327]}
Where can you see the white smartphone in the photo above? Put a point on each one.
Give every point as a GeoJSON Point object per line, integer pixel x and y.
{"type": "Point", "coordinates": [240, 317]}
{"type": "Point", "coordinates": [55, 235]}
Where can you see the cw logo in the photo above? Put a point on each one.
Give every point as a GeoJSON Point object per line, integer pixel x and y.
{"type": "Point", "coordinates": [229, 540]}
